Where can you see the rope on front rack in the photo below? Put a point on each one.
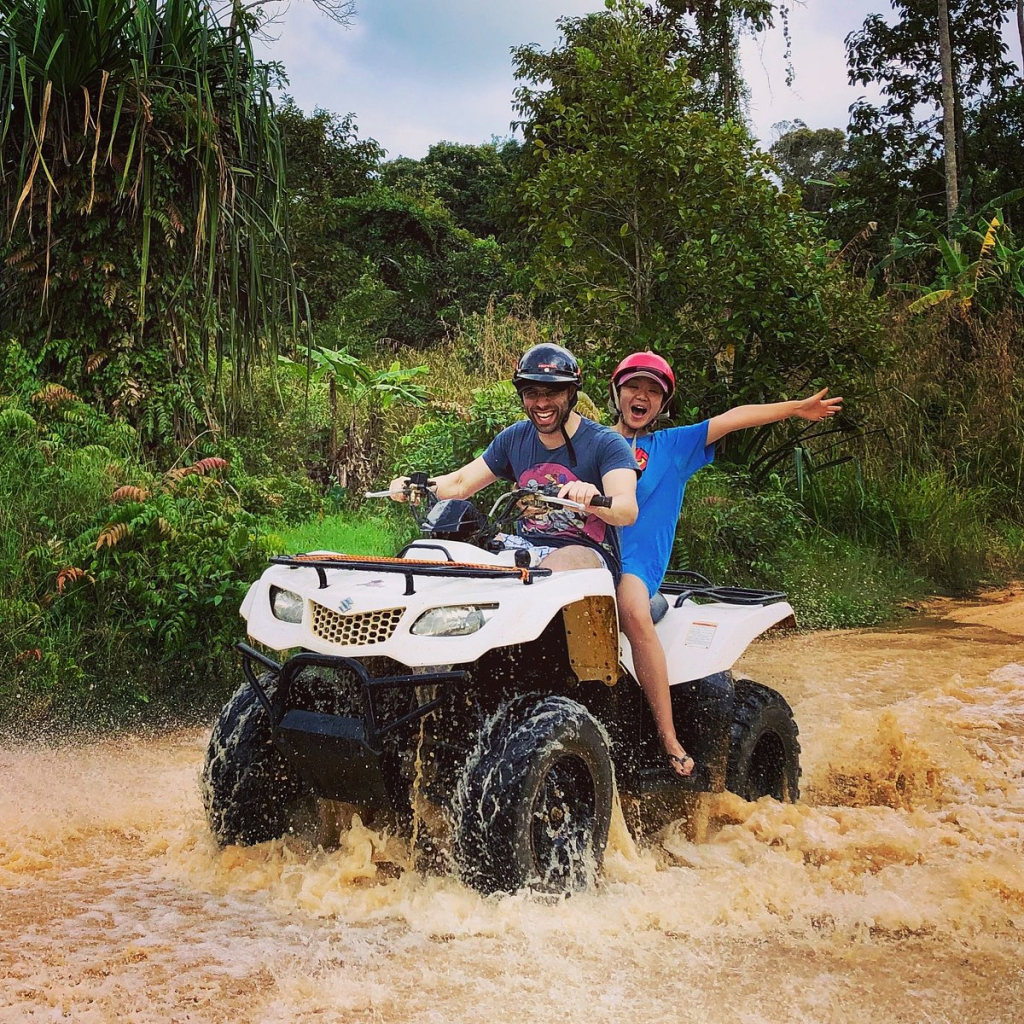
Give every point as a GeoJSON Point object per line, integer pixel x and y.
{"type": "Point", "coordinates": [522, 574]}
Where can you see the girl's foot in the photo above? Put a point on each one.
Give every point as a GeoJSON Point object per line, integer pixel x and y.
{"type": "Point", "coordinates": [681, 762]}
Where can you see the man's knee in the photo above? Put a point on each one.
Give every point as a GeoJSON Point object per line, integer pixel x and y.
{"type": "Point", "coordinates": [576, 556]}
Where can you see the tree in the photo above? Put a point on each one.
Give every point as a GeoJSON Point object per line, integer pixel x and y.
{"type": "Point", "coordinates": [267, 12]}
{"type": "Point", "coordinates": [650, 223]}
{"type": "Point", "coordinates": [369, 393]}
{"type": "Point", "coordinates": [410, 246]}
{"type": "Point", "coordinates": [141, 183]}
{"type": "Point", "coordinates": [905, 131]}
{"type": "Point", "coordinates": [810, 159]}
{"type": "Point", "coordinates": [469, 180]}
{"type": "Point", "coordinates": [325, 161]}
{"type": "Point", "coordinates": [706, 34]}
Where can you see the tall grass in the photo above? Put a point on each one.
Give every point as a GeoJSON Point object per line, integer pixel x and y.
{"type": "Point", "coordinates": [923, 519]}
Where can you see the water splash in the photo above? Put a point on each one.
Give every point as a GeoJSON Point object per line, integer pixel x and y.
{"type": "Point", "coordinates": [895, 889]}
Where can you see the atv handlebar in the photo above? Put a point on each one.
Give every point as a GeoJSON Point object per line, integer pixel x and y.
{"type": "Point", "coordinates": [510, 506]}
{"type": "Point", "coordinates": [421, 482]}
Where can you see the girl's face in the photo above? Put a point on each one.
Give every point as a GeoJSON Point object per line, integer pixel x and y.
{"type": "Point", "coordinates": [640, 401]}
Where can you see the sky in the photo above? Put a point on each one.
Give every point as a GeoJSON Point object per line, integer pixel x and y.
{"type": "Point", "coordinates": [415, 72]}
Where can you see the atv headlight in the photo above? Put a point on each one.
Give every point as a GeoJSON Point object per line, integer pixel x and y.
{"type": "Point", "coordinates": [455, 620]}
{"type": "Point", "coordinates": [286, 605]}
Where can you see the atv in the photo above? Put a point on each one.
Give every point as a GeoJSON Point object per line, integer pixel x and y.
{"type": "Point", "coordinates": [461, 677]}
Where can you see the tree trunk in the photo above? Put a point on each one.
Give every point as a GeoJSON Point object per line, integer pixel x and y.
{"type": "Point", "coordinates": [332, 457]}
{"type": "Point", "coordinates": [948, 111]}
{"type": "Point", "coordinates": [1020, 28]}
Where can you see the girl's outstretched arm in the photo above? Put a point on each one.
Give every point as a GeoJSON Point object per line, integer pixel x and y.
{"type": "Point", "coordinates": [815, 408]}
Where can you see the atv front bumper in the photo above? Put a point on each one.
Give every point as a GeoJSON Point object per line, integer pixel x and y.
{"type": "Point", "coordinates": [341, 757]}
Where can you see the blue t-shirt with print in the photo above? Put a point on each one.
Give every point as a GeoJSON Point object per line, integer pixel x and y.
{"type": "Point", "coordinates": [517, 454]}
{"type": "Point", "coordinates": [667, 459]}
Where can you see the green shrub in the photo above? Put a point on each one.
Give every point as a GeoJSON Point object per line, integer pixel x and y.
{"type": "Point", "coordinates": [461, 432]}
{"type": "Point", "coordinates": [118, 585]}
{"type": "Point", "coordinates": [834, 583]}
{"type": "Point", "coordinates": [734, 534]}
{"type": "Point", "coordinates": [923, 519]}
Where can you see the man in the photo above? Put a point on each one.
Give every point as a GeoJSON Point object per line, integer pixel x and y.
{"type": "Point", "coordinates": [555, 445]}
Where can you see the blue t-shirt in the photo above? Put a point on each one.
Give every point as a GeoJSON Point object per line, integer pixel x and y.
{"type": "Point", "coordinates": [517, 454]}
{"type": "Point", "coordinates": [667, 459]}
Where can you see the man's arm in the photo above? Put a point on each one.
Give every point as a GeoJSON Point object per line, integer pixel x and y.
{"type": "Point", "coordinates": [619, 484]}
{"type": "Point", "coordinates": [463, 483]}
{"type": "Point", "coordinates": [814, 409]}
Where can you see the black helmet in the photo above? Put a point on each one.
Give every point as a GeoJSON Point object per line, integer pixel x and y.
{"type": "Point", "coordinates": [547, 364]}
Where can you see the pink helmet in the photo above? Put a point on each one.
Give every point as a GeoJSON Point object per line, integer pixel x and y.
{"type": "Point", "coordinates": [642, 364]}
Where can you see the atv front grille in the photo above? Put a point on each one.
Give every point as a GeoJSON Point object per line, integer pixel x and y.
{"type": "Point", "coordinates": [355, 630]}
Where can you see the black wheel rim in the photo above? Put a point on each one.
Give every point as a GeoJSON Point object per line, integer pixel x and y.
{"type": "Point", "coordinates": [562, 825]}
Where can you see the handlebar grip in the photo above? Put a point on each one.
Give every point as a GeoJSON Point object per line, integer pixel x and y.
{"type": "Point", "coordinates": [601, 501]}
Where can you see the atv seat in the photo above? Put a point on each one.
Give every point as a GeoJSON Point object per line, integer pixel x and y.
{"type": "Point", "coordinates": [659, 606]}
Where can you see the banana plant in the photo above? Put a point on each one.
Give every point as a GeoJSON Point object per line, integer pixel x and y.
{"type": "Point", "coordinates": [982, 283]}
{"type": "Point", "coordinates": [367, 392]}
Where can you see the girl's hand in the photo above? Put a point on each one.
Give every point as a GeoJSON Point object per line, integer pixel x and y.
{"type": "Point", "coordinates": [818, 407]}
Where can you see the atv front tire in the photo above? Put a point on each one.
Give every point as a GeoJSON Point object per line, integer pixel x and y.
{"type": "Point", "coordinates": [249, 791]}
{"type": "Point", "coordinates": [764, 752]}
{"type": "Point", "coordinates": [534, 804]}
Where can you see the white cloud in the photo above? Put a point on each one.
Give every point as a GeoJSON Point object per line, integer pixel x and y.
{"type": "Point", "coordinates": [418, 71]}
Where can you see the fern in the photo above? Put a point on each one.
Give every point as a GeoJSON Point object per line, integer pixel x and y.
{"type": "Point", "coordinates": [54, 394]}
{"type": "Point", "coordinates": [15, 420]}
{"type": "Point", "coordinates": [208, 465]}
{"type": "Point", "coordinates": [112, 534]}
{"type": "Point", "coordinates": [130, 493]}
{"type": "Point", "coordinates": [66, 577]}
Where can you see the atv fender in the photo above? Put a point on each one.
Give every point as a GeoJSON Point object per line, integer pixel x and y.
{"type": "Point", "coordinates": [702, 639]}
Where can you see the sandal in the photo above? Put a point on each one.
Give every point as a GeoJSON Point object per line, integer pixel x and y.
{"type": "Point", "coordinates": [682, 762]}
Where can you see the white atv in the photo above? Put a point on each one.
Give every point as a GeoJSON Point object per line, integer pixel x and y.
{"type": "Point", "coordinates": [501, 692]}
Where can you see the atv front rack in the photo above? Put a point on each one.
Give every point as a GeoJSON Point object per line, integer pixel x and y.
{"type": "Point", "coordinates": [408, 567]}
{"type": "Point", "coordinates": [690, 585]}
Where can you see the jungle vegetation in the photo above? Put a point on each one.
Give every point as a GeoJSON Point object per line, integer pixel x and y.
{"type": "Point", "coordinates": [222, 317]}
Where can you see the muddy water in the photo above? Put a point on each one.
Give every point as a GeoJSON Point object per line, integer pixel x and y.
{"type": "Point", "coordinates": [893, 892]}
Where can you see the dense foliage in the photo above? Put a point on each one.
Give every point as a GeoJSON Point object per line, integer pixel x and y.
{"type": "Point", "coordinates": [669, 232]}
{"type": "Point", "coordinates": [165, 220]}
{"type": "Point", "coordinates": [141, 188]}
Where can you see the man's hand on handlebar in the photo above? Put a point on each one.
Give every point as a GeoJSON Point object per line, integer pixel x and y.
{"type": "Point", "coordinates": [409, 488]}
{"type": "Point", "coordinates": [584, 493]}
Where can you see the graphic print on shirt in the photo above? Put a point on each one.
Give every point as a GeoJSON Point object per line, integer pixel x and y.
{"type": "Point", "coordinates": [641, 458]}
{"type": "Point", "coordinates": [551, 519]}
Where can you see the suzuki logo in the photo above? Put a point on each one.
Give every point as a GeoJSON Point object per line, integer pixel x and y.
{"type": "Point", "coordinates": [346, 603]}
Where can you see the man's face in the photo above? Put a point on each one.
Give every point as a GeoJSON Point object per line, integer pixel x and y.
{"type": "Point", "coordinates": [640, 401]}
{"type": "Point", "coordinates": [546, 405]}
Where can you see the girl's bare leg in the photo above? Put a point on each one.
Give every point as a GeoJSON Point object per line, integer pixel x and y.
{"type": "Point", "coordinates": [650, 665]}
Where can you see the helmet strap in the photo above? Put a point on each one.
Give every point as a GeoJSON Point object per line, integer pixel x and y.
{"type": "Point", "coordinates": [568, 445]}
{"type": "Point", "coordinates": [561, 426]}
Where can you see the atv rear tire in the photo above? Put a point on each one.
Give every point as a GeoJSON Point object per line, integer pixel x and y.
{"type": "Point", "coordinates": [249, 791]}
{"type": "Point", "coordinates": [534, 804]}
{"type": "Point", "coordinates": [764, 752]}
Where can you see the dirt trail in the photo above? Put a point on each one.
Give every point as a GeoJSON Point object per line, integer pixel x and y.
{"type": "Point", "coordinates": [894, 891]}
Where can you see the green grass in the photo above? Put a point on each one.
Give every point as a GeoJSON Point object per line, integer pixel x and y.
{"type": "Point", "coordinates": [347, 533]}
{"type": "Point", "coordinates": [835, 584]}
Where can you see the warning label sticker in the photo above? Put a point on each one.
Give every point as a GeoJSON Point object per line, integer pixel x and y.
{"type": "Point", "coordinates": [700, 634]}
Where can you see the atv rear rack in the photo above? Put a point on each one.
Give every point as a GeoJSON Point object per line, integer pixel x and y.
{"type": "Point", "coordinates": [701, 588]}
{"type": "Point", "coordinates": [409, 568]}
